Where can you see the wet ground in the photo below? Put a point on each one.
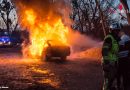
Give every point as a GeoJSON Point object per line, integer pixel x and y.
{"type": "Point", "coordinates": [18, 73]}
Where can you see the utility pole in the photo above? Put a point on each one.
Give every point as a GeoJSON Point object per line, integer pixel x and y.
{"type": "Point", "coordinates": [102, 17]}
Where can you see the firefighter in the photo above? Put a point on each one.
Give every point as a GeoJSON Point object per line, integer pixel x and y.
{"type": "Point", "coordinates": [124, 62]}
{"type": "Point", "coordinates": [110, 57]}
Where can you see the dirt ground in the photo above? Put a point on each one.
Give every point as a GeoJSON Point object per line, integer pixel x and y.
{"type": "Point", "coordinates": [18, 73]}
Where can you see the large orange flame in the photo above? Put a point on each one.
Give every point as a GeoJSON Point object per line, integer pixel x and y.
{"type": "Point", "coordinates": [44, 21]}
{"type": "Point", "coordinates": [41, 31]}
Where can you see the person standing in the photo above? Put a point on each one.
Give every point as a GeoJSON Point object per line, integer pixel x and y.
{"type": "Point", "coordinates": [110, 57]}
{"type": "Point", "coordinates": [124, 62]}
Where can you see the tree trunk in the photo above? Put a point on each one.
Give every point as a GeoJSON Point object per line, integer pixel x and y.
{"type": "Point", "coordinates": [81, 24]}
{"type": "Point", "coordinates": [7, 24]}
{"type": "Point", "coordinates": [125, 4]}
{"type": "Point", "coordinates": [102, 18]}
{"type": "Point", "coordinates": [16, 26]}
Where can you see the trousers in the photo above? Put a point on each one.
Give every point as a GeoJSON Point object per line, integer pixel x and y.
{"type": "Point", "coordinates": [110, 76]}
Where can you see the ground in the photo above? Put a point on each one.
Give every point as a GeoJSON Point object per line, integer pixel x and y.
{"type": "Point", "coordinates": [18, 73]}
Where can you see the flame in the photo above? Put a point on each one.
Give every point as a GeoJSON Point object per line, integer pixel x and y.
{"type": "Point", "coordinates": [41, 31]}
{"type": "Point", "coordinates": [44, 21]}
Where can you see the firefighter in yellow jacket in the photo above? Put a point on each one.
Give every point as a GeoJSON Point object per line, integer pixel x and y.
{"type": "Point", "coordinates": [110, 58]}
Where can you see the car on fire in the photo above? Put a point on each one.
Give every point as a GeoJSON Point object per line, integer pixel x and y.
{"type": "Point", "coordinates": [56, 50]}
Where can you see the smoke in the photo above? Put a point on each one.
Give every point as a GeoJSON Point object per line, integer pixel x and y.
{"type": "Point", "coordinates": [84, 47]}
{"type": "Point", "coordinates": [81, 42]}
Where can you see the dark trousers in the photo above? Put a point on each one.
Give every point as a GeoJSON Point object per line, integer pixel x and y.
{"type": "Point", "coordinates": [120, 71]}
{"type": "Point", "coordinates": [109, 76]}
{"type": "Point", "coordinates": [124, 72]}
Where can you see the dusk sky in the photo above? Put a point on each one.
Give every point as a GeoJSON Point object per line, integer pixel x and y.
{"type": "Point", "coordinates": [128, 3]}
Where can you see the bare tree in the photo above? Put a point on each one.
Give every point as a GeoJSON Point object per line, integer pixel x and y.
{"type": "Point", "coordinates": [92, 17]}
{"type": "Point", "coordinates": [6, 7]}
{"type": "Point", "coordinates": [102, 16]}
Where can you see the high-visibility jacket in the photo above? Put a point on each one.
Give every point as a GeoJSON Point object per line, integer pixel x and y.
{"type": "Point", "coordinates": [112, 50]}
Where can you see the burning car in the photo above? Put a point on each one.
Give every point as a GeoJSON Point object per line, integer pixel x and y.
{"type": "Point", "coordinates": [56, 50]}
{"type": "Point", "coordinates": [46, 24]}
